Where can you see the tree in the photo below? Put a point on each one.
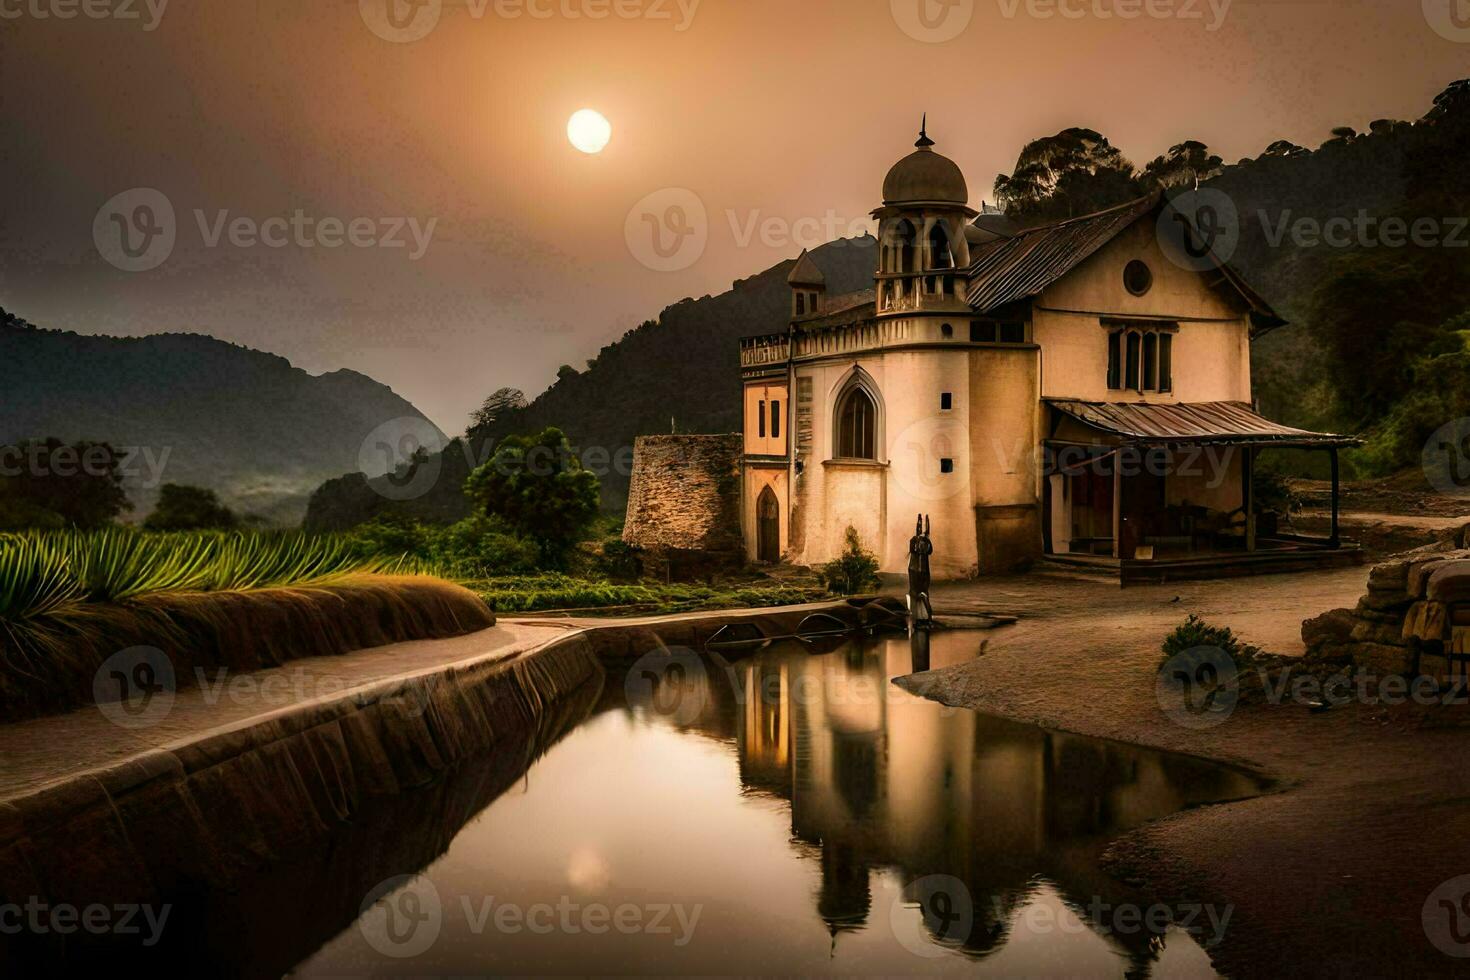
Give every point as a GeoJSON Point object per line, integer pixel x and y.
{"type": "Point", "coordinates": [1369, 317]}
{"type": "Point", "coordinates": [182, 507]}
{"type": "Point", "coordinates": [49, 483]}
{"type": "Point", "coordinates": [1184, 165]}
{"type": "Point", "coordinates": [1454, 100]}
{"type": "Point", "coordinates": [1073, 173]}
{"type": "Point", "coordinates": [537, 486]}
{"type": "Point", "coordinates": [1285, 148]}
{"type": "Point", "coordinates": [495, 407]}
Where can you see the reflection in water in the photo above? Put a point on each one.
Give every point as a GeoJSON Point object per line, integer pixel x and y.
{"type": "Point", "coordinates": [878, 780]}
{"type": "Point", "coordinates": [822, 820]}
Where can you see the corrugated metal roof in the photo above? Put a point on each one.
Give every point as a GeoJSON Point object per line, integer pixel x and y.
{"type": "Point", "coordinates": [1004, 271]}
{"type": "Point", "coordinates": [1192, 423]}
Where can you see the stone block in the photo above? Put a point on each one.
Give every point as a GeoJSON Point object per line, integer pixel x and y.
{"type": "Point", "coordinates": [1333, 626]}
{"type": "Point", "coordinates": [1449, 582]}
{"type": "Point", "coordinates": [1382, 660]}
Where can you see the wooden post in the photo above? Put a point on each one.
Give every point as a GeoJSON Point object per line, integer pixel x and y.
{"type": "Point", "coordinates": [1117, 505]}
{"type": "Point", "coordinates": [1334, 539]}
{"type": "Point", "coordinates": [1248, 495]}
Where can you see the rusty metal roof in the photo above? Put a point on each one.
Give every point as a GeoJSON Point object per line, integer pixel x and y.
{"type": "Point", "coordinates": [1018, 268]}
{"type": "Point", "coordinates": [1192, 424]}
{"type": "Point", "coordinates": [1004, 271]}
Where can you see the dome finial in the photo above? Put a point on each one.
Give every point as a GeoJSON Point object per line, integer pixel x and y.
{"type": "Point", "coordinates": [924, 142]}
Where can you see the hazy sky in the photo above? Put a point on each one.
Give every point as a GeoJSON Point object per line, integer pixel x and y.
{"type": "Point", "coordinates": [789, 110]}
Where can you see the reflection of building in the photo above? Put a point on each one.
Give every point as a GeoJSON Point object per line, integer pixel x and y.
{"type": "Point", "coordinates": [1000, 379]}
{"type": "Point", "coordinates": [877, 779]}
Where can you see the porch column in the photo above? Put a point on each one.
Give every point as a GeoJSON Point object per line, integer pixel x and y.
{"type": "Point", "coordinates": [1334, 539]}
{"type": "Point", "coordinates": [1117, 506]}
{"type": "Point", "coordinates": [1248, 495]}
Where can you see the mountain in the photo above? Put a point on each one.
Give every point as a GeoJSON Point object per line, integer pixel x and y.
{"type": "Point", "coordinates": [244, 423]}
{"type": "Point", "coordinates": [680, 372]}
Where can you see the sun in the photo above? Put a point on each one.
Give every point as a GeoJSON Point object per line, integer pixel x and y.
{"type": "Point", "coordinates": [589, 130]}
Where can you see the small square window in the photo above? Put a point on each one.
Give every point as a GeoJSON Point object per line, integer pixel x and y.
{"type": "Point", "coordinates": [1013, 333]}
{"type": "Point", "coordinates": [946, 401]}
{"type": "Point", "coordinates": [946, 465]}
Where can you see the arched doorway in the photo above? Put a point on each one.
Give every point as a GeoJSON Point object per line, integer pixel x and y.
{"type": "Point", "coordinates": [768, 527]}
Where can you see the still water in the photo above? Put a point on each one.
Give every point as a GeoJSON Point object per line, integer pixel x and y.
{"type": "Point", "coordinates": [795, 812]}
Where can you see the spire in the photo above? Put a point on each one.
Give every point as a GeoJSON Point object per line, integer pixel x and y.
{"type": "Point", "coordinates": [924, 142]}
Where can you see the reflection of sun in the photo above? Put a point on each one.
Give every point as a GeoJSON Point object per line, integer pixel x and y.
{"type": "Point", "coordinates": [589, 130]}
{"type": "Point", "coordinates": [588, 871]}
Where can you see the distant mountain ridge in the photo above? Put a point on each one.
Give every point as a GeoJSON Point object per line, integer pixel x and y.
{"type": "Point", "coordinates": [243, 422]}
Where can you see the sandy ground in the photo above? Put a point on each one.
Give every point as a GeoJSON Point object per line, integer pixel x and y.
{"type": "Point", "coordinates": [1328, 876]}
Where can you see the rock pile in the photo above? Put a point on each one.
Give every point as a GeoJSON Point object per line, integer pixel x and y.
{"type": "Point", "coordinates": [1417, 607]}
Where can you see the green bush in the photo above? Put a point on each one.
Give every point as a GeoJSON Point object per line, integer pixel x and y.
{"type": "Point", "coordinates": [476, 547]}
{"type": "Point", "coordinates": [1194, 633]}
{"type": "Point", "coordinates": [620, 561]}
{"type": "Point", "coordinates": [854, 571]}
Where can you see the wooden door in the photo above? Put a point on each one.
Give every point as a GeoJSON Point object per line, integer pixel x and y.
{"type": "Point", "coordinates": [768, 527]}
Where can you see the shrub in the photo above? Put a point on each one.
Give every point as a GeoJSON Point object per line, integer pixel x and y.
{"type": "Point", "coordinates": [620, 561]}
{"type": "Point", "coordinates": [854, 571]}
{"type": "Point", "coordinates": [1195, 633]}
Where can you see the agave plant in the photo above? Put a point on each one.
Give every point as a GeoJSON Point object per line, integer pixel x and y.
{"type": "Point", "coordinates": [36, 577]}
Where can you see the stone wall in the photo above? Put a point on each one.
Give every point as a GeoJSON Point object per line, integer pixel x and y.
{"type": "Point", "coordinates": [684, 497]}
{"type": "Point", "coordinates": [1405, 622]}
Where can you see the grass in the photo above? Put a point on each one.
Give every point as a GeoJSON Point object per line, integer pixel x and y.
{"type": "Point", "coordinates": [232, 600]}
{"type": "Point", "coordinates": [550, 591]}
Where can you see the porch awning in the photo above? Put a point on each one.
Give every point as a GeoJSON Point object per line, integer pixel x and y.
{"type": "Point", "coordinates": [1192, 424]}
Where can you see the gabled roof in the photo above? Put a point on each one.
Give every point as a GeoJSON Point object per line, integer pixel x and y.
{"type": "Point", "coordinates": [806, 272]}
{"type": "Point", "coordinates": [1015, 268]}
{"type": "Point", "coordinates": [1192, 423]}
{"type": "Point", "coordinates": [1022, 266]}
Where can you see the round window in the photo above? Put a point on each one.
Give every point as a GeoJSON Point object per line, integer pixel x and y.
{"type": "Point", "coordinates": [1138, 277]}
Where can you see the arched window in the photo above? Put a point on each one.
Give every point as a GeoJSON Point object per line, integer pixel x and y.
{"type": "Point", "coordinates": [902, 245]}
{"type": "Point", "coordinates": [940, 256]}
{"type": "Point", "coordinates": [857, 426]}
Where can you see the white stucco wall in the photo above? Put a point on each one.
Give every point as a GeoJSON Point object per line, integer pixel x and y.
{"type": "Point", "coordinates": [1211, 352]}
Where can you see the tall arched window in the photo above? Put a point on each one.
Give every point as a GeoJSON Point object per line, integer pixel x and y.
{"type": "Point", "coordinates": [857, 426]}
{"type": "Point", "coordinates": [940, 256]}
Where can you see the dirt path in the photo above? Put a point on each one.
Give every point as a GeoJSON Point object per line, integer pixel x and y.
{"type": "Point", "coordinates": [1330, 876]}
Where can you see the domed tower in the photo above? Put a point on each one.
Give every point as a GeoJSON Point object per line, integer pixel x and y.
{"type": "Point", "coordinates": [921, 233]}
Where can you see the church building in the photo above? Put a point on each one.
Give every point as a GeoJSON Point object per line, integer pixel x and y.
{"type": "Point", "coordinates": [1079, 390]}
